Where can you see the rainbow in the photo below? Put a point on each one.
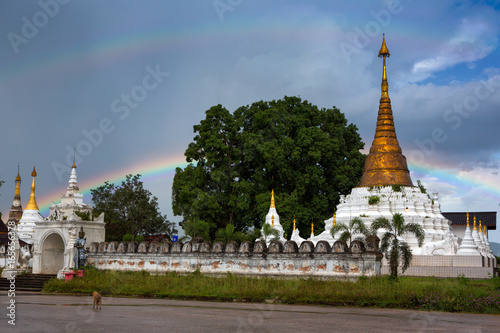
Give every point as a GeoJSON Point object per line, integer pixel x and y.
{"type": "Point", "coordinates": [163, 168]}
{"type": "Point", "coordinates": [467, 181]}
{"type": "Point", "coordinates": [153, 170]}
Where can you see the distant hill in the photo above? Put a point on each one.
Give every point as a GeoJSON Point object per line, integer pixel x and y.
{"type": "Point", "coordinates": [495, 247]}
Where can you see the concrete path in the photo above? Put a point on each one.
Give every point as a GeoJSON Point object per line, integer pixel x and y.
{"type": "Point", "coordinates": [49, 313]}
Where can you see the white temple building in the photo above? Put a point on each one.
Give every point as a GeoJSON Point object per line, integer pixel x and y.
{"type": "Point", "coordinates": [54, 237]}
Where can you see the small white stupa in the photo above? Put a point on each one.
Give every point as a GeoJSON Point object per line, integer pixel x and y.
{"type": "Point", "coordinates": [31, 215]}
{"type": "Point", "coordinates": [273, 219]}
{"type": "Point", "coordinates": [468, 246]}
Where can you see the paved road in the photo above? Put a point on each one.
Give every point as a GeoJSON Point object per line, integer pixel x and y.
{"type": "Point", "coordinates": [50, 313]}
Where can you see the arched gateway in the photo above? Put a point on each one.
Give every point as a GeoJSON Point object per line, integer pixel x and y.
{"type": "Point", "coordinates": [52, 255]}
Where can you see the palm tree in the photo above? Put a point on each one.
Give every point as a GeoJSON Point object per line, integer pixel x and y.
{"type": "Point", "coordinates": [392, 246]}
{"type": "Point", "coordinates": [355, 226]}
{"type": "Point", "coordinates": [225, 234]}
{"type": "Point", "coordinates": [268, 231]}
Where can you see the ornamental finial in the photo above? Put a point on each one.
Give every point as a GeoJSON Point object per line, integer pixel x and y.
{"type": "Point", "coordinates": [384, 51]}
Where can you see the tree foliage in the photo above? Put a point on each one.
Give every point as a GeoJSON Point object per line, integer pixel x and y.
{"type": "Point", "coordinates": [309, 156]}
{"type": "Point", "coordinates": [356, 226]}
{"type": "Point", "coordinates": [393, 247]}
{"type": "Point", "coordinates": [129, 209]}
{"type": "Point", "coordinates": [268, 231]}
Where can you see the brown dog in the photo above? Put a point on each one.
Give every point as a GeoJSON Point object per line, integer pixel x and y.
{"type": "Point", "coordinates": [97, 300]}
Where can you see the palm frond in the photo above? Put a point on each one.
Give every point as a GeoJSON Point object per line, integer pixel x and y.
{"type": "Point", "coordinates": [385, 243]}
{"type": "Point", "coordinates": [399, 223]}
{"type": "Point", "coordinates": [358, 226]}
{"type": "Point", "coordinates": [418, 230]}
{"type": "Point", "coordinates": [406, 255]}
{"type": "Point", "coordinates": [345, 236]}
{"type": "Point", "coordinates": [337, 228]}
{"type": "Point", "coordinates": [380, 223]}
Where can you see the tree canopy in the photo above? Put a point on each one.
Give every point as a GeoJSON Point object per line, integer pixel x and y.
{"type": "Point", "coordinates": [309, 156]}
{"type": "Point", "coordinates": [129, 209]}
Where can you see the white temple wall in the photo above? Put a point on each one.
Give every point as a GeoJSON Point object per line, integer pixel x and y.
{"type": "Point", "coordinates": [245, 259]}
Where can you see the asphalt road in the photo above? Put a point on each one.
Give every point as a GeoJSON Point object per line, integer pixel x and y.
{"type": "Point", "coordinates": [49, 313]}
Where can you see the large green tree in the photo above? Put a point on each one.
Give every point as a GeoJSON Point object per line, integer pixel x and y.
{"type": "Point", "coordinates": [129, 209]}
{"type": "Point", "coordinates": [309, 156]}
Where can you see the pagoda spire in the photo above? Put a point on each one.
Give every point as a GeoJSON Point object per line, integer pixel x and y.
{"type": "Point", "coordinates": [16, 210]}
{"type": "Point", "coordinates": [385, 165]}
{"type": "Point", "coordinates": [32, 202]}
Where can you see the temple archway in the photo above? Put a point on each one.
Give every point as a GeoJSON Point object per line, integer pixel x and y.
{"type": "Point", "coordinates": [52, 254]}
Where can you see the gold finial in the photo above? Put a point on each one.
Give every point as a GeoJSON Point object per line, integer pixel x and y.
{"type": "Point", "coordinates": [480, 226]}
{"type": "Point", "coordinates": [384, 51]}
{"type": "Point", "coordinates": [385, 165]}
{"type": "Point", "coordinates": [312, 228]}
{"type": "Point", "coordinates": [74, 165]}
{"type": "Point", "coordinates": [74, 159]}
{"type": "Point", "coordinates": [272, 199]}
{"type": "Point", "coordinates": [294, 224]}
{"type": "Point", "coordinates": [272, 221]}
{"type": "Point", "coordinates": [32, 202]}
{"type": "Point", "coordinates": [467, 219]}
{"type": "Point", "coordinates": [18, 183]}
{"type": "Point", "coordinates": [334, 220]}
{"type": "Point", "coordinates": [485, 230]}
{"type": "Point", "coordinates": [475, 223]}
{"type": "Point", "coordinates": [18, 178]}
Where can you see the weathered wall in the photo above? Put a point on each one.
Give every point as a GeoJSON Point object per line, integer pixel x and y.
{"type": "Point", "coordinates": [247, 258]}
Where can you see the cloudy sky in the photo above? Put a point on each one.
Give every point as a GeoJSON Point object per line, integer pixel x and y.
{"type": "Point", "coordinates": [123, 83]}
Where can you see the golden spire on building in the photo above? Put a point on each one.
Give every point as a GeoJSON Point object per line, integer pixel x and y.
{"type": "Point", "coordinates": [334, 220]}
{"type": "Point", "coordinates": [385, 164]}
{"type": "Point", "coordinates": [294, 224]}
{"type": "Point", "coordinates": [467, 219]}
{"type": "Point", "coordinates": [32, 202]}
{"type": "Point", "coordinates": [18, 183]}
{"type": "Point", "coordinates": [480, 227]}
{"type": "Point", "coordinates": [474, 223]}
{"type": "Point", "coordinates": [272, 199]}
{"type": "Point", "coordinates": [312, 228]}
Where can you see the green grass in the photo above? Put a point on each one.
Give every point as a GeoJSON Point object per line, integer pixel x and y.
{"type": "Point", "coordinates": [452, 295]}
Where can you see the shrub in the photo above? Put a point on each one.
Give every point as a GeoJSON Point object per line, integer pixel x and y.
{"type": "Point", "coordinates": [397, 188]}
{"type": "Point", "coordinates": [373, 200]}
{"type": "Point", "coordinates": [128, 238]}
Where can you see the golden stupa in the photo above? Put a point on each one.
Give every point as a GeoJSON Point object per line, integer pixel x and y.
{"type": "Point", "coordinates": [385, 165]}
{"type": "Point", "coordinates": [32, 202]}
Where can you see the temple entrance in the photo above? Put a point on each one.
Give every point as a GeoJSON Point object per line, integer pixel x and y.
{"type": "Point", "coordinates": [52, 254]}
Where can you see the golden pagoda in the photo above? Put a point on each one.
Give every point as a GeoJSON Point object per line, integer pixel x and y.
{"type": "Point", "coordinates": [385, 165]}
{"type": "Point", "coordinates": [32, 202]}
{"type": "Point", "coordinates": [16, 210]}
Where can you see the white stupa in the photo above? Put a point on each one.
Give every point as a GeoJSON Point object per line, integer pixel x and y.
{"type": "Point", "coordinates": [386, 188]}
{"type": "Point", "coordinates": [273, 219]}
{"type": "Point", "coordinates": [71, 201]}
{"type": "Point", "coordinates": [31, 215]}
{"type": "Point", "coordinates": [468, 247]}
